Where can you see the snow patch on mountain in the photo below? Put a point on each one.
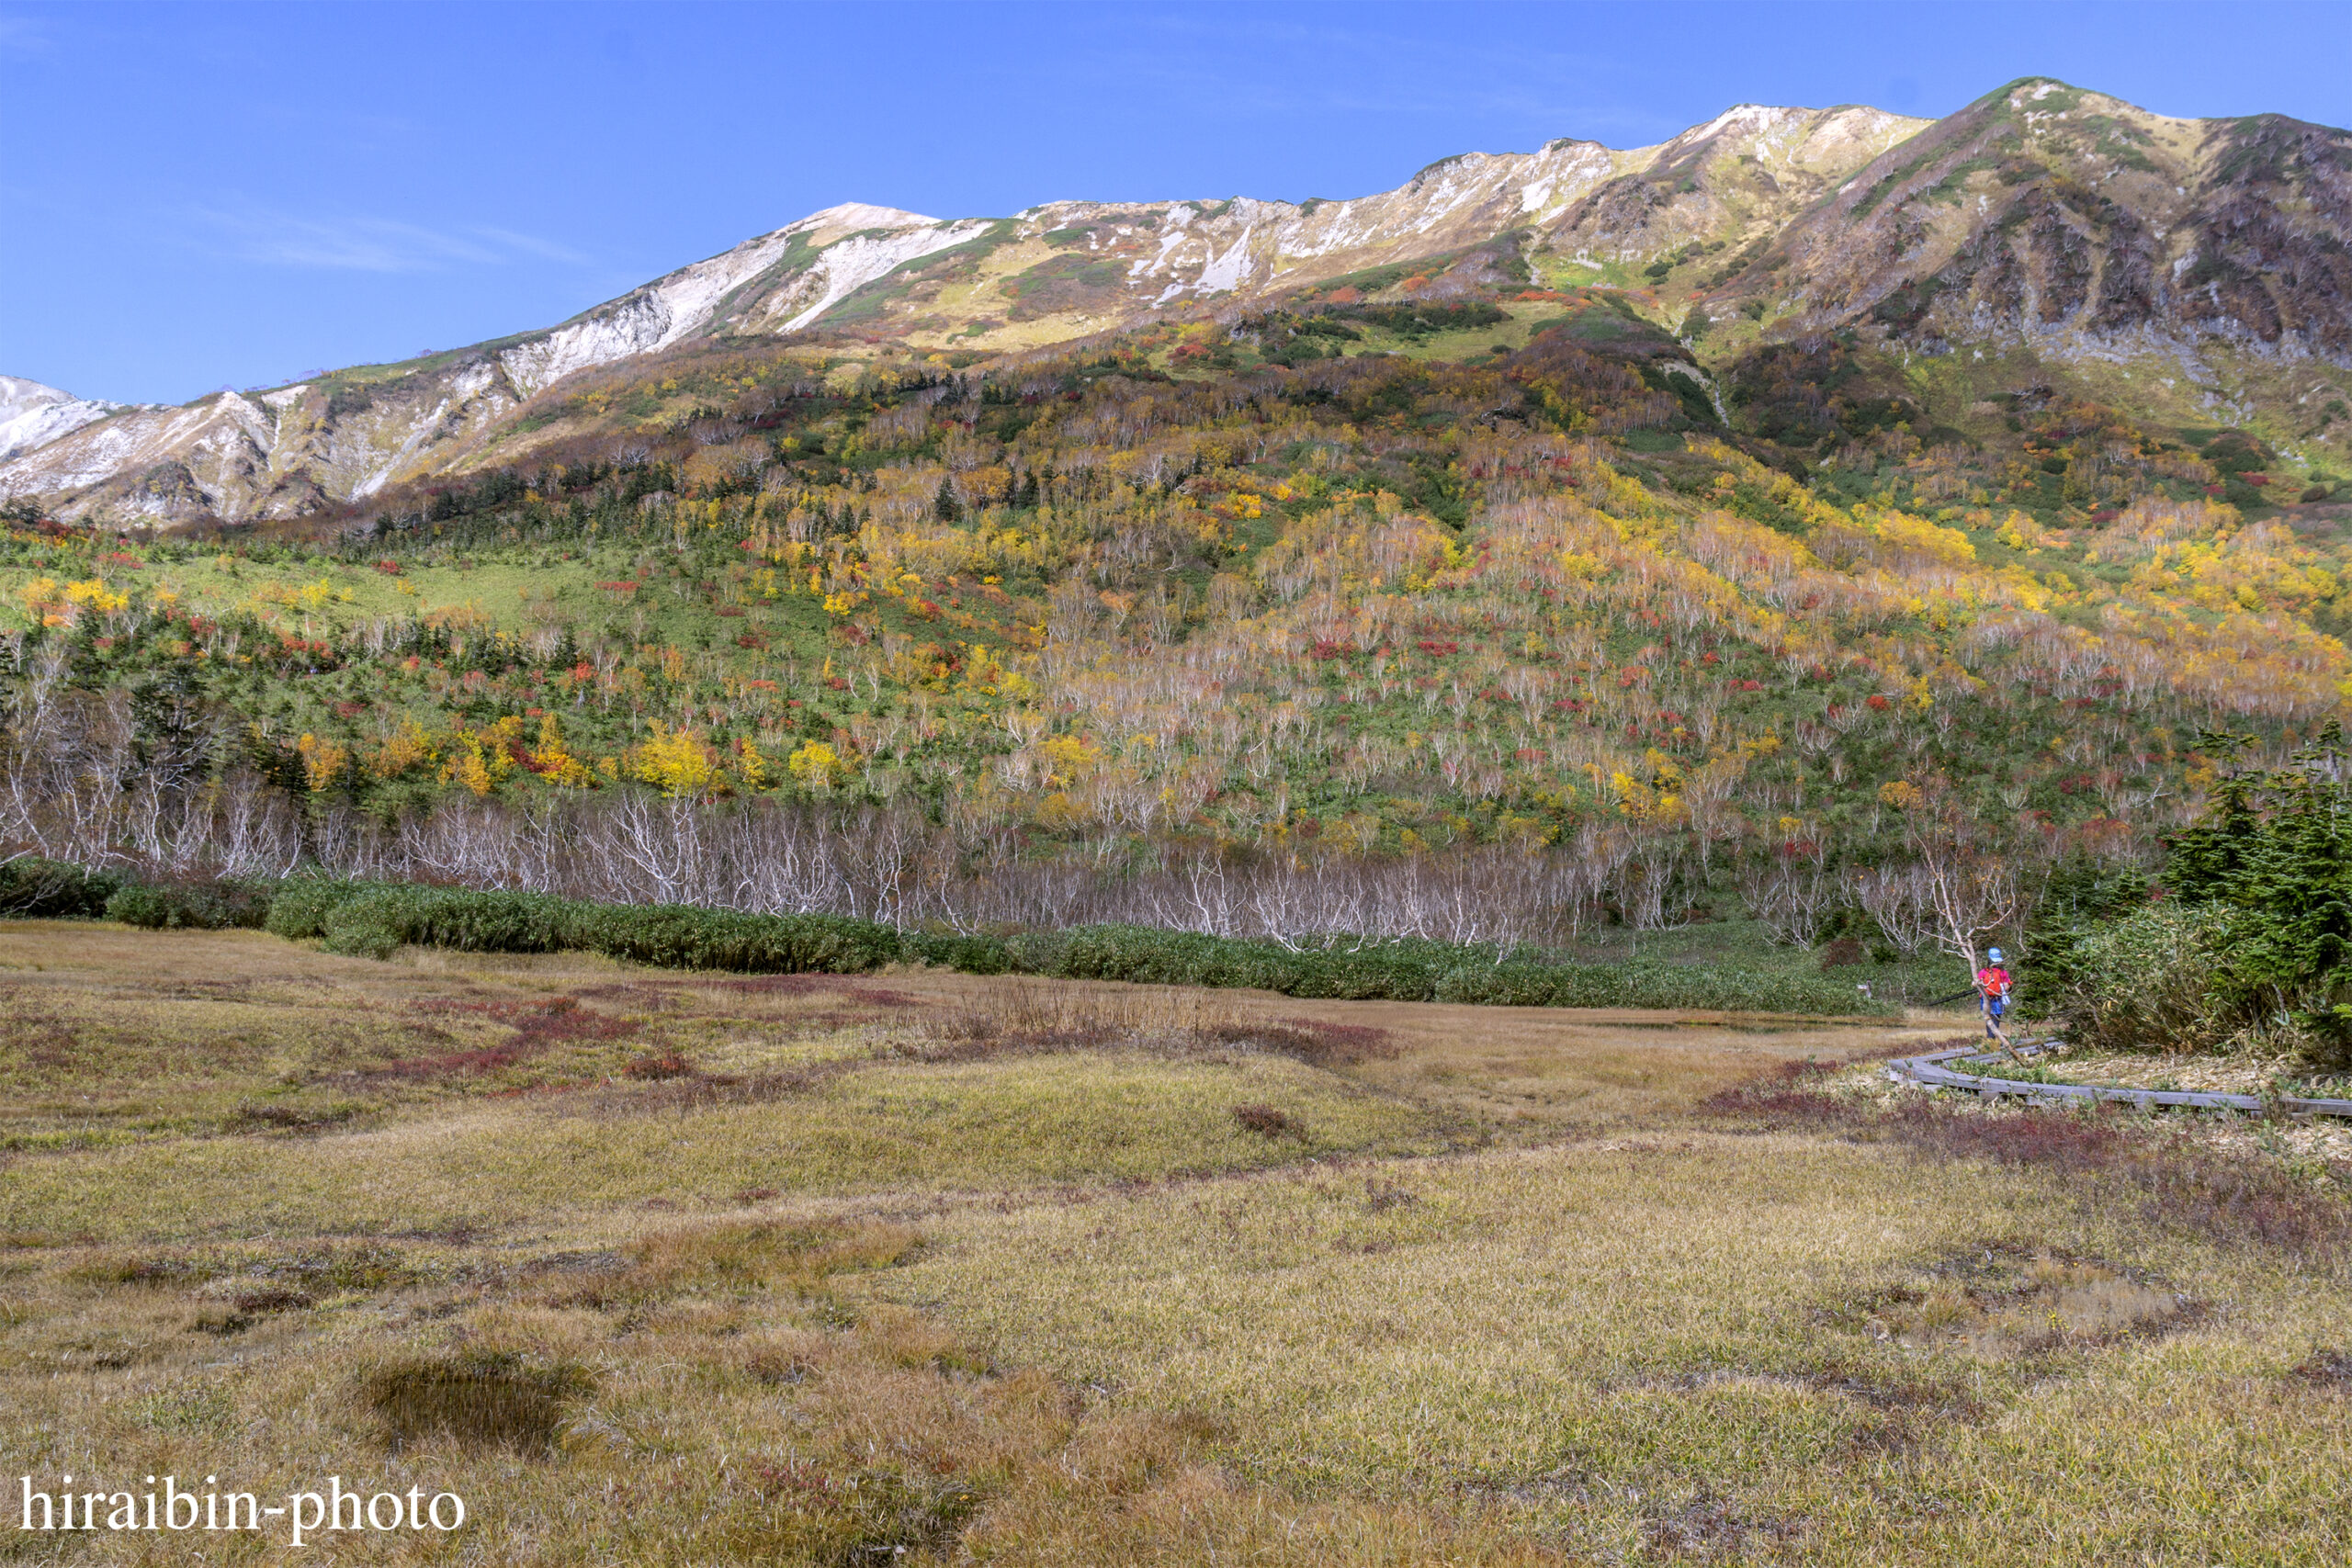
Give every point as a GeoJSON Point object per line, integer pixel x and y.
{"type": "Point", "coordinates": [34, 415]}
{"type": "Point", "coordinates": [852, 263]}
{"type": "Point", "coordinates": [1225, 273]}
{"type": "Point", "coordinates": [651, 318]}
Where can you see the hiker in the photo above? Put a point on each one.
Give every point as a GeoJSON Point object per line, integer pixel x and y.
{"type": "Point", "coordinates": [1993, 986]}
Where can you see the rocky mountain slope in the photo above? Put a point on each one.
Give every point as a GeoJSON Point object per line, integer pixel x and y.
{"type": "Point", "coordinates": [2205, 260]}
{"type": "Point", "coordinates": [32, 415]}
{"type": "Point", "coordinates": [2193, 269]}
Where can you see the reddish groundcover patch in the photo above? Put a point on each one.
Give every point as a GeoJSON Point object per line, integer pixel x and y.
{"type": "Point", "coordinates": [536, 1029]}
{"type": "Point", "coordinates": [811, 985]}
{"type": "Point", "coordinates": [2174, 1178]}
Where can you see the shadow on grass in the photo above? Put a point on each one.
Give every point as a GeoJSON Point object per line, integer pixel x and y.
{"type": "Point", "coordinates": [478, 1398]}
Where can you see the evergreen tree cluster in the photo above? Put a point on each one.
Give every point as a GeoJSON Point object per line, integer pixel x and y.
{"type": "Point", "coordinates": [2251, 934]}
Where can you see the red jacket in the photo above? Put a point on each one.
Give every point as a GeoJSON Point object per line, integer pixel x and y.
{"type": "Point", "coordinates": [1992, 980]}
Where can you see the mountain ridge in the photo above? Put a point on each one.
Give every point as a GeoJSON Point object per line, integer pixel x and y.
{"type": "Point", "coordinates": [32, 414]}
{"type": "Point", "coordinates": [1996, 229]}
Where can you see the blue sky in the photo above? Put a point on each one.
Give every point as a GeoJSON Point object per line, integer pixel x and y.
{"type": "Point", "coordinates": [199, 196]}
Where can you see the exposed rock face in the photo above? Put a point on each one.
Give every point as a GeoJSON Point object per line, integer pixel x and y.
{"type": "Point", "coordinates": [1736, 179]}
{"type": "Point", "coordinates": [2083, 225]}
{"type": "Point", "coordinates": [2054, 222]}
{"type": "Point", "coordinates": [283, 453]}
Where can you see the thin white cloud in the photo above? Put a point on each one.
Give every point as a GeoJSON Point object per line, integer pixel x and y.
{"type": "Point", "coordinates": [23, 36]}
{"type": "Point", "coordinates": [360, 244]}
{"type": "Point", "coordinates": [1552, 91]}
{"type": "Point", "coordinates": [531, 244]}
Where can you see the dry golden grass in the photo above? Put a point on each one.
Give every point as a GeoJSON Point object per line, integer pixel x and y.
{"type": "Point", "coordinates": [1022, 1123]}
{"type": "Point", "coordinates": [1634, 1336]}
{"type": "Point", "coordinates": [703, 1394]}
{"type": "Point", "coordinates": [992, 1271]}
{"type": "Point", "coordinates": [1515, 1069]}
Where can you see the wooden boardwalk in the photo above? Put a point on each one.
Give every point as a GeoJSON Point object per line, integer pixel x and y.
{"type": "Point", "coordinates": [1932, 1071]}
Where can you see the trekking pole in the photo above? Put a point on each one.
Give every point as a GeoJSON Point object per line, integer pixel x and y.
{"type": "Point", "coordinates": [2002, 1035]}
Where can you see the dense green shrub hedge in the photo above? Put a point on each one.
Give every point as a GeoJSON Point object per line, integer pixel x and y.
{"type": "Point", "coordinates": [2148, 981]}
{"type": "Point", "coordinates": [2081, 898]}
{"type": "Point", "coordinates": [370, 919]}
{"type": "Point", "coordinates": [1400, 971]}
{"type": "Point", "coordinates": [1652, 985]}
{"type": "Point", "coordinates": [376, 918]}
{"type": "Point", "coordinates": [1407, 970]}
{"type": "Point", "coordinates": [681, 937]}
{"type": "Point", "coordinates": [300, 909]}
{"type": "Point", "coordinates": [972, 955]}
{"type": "Point", "coordinates": [38, 889]}
{"type": "Point", "coordinates": [215, 906]}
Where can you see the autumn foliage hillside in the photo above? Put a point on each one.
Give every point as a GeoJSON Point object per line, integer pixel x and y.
{"type": "Point", "coordinates": [1277, 636]}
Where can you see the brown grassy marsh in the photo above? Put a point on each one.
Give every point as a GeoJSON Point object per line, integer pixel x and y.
{"type": "Point", "coordinates": [922, 1268]}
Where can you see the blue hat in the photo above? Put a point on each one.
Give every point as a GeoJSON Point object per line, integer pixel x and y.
{"type": "Point", "coordinates": [1994, 955]}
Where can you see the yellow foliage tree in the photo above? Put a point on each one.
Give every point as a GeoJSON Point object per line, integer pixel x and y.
{"type": "Point", "coordinates": [95, 594]}
{"type": "Point", "coordinates": [472, 770]}
{"type": "Point", "coordinates": [816, 763]}
{"type": "Point", "coordinates": [749, 765]}
{"type": "Point", "coordinates": [1067, 758]}
{"type": "Point", "coordinates": [43, 601]}
{"type": "Point", "coordinates": [676, 762]}
{"type": "Point", "coordinates": [401, 751]}
{"type": "Point", "coordinates": [556, 765]}
{"type": "Point", "coordinates": [323, 761]}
